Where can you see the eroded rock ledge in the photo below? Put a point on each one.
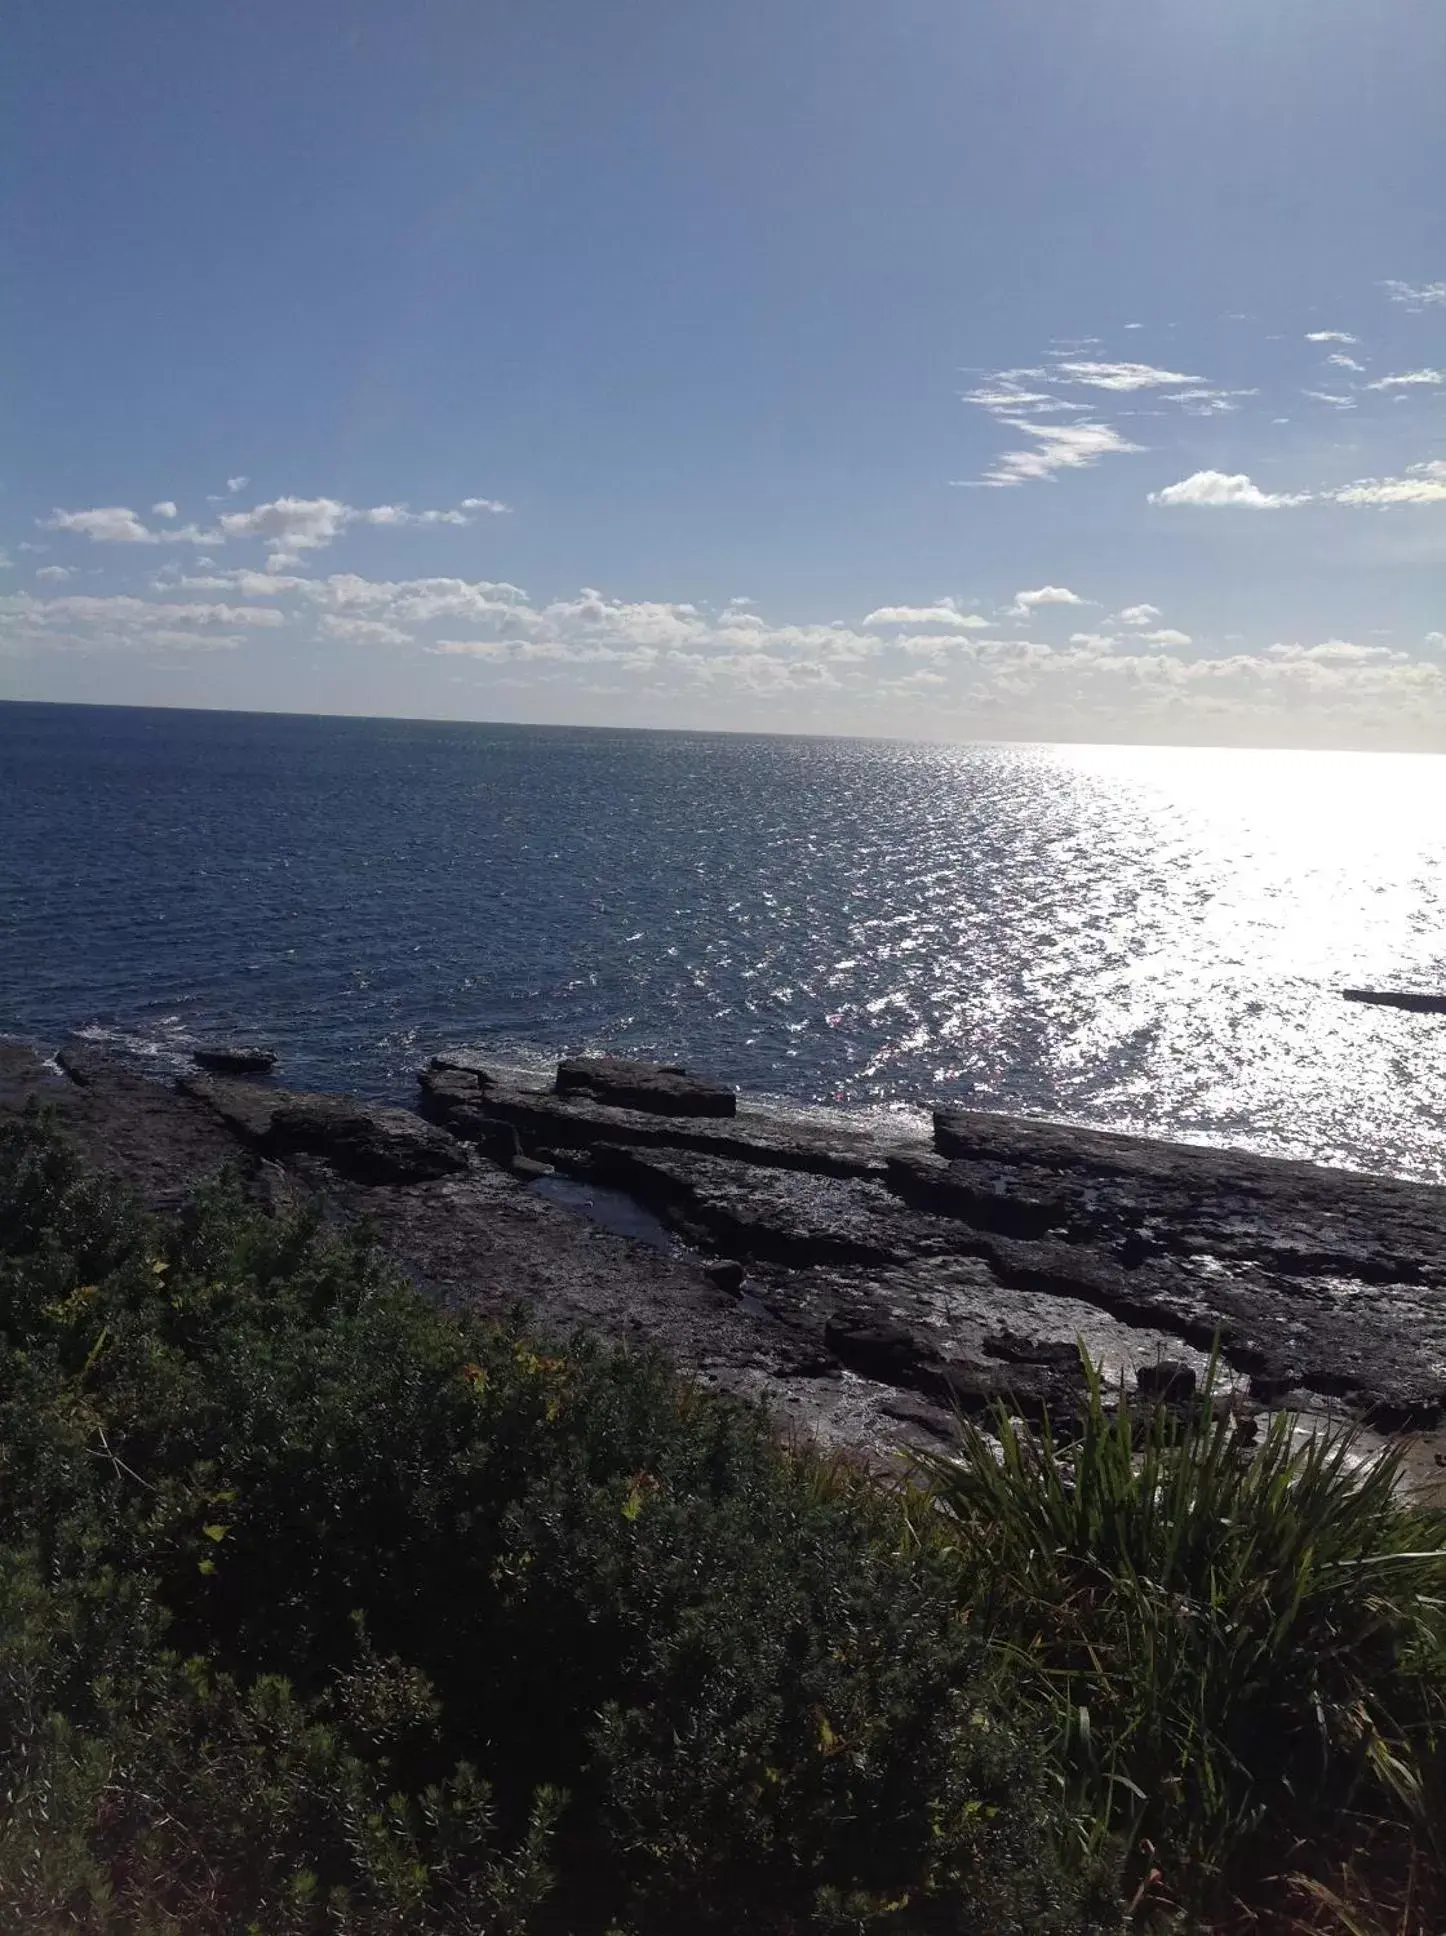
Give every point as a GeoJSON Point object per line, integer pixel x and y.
{"type": "Point", "coordinates": [862, 1284]}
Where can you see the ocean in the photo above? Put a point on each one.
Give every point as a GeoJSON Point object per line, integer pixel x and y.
{"type": "Point", "coordinates": [1138, 938]}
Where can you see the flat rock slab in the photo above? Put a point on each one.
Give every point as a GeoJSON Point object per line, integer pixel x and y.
{"type": "Point", "coordinates": [659, 1087]}
{"type": "Point", "coordinates": [234, 1059]}
{"type": "Point", "coordinates": [461, 1080]}
{"type": "Point", "coordinates": [365, 1142]}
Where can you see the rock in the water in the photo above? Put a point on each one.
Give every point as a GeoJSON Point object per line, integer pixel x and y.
{"type": "Point", "coordinates": [227, 1059]}
{"type": "Point", "coordinates": [1398, 998]}
{"type": "Point", "coordinates": [368, 1143]}
{"type": "Point", "coordinates": [657, 1086]}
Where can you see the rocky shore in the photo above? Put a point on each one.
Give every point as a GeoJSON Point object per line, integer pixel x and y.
{"type": "Point", "coordinates": [862, 1285]}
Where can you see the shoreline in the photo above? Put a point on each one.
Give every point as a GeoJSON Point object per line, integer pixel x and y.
{"type": "Point", "coordinates": [861, 1285]}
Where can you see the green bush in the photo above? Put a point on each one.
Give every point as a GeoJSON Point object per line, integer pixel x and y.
{"type": "Point", "coordinates": [1244, 1648]}
{"type": "Point", "coordinates": [320, 1609]}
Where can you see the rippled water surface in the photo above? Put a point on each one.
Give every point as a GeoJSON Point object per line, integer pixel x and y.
{"type": "Point", "coordinates": [1143, 938]}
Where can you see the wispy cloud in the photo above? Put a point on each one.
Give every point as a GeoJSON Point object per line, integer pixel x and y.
{"type": "Point", "coordinates": [1140, 615]}
{"type": "Point", "coordinates": [1122, 376]}
{"type": "Point", "coordinates": [1219, 490]}
{"type": "Point", "coordinates": [1330, 336]}
{"type": "Point", "coordinates": [1410, 380]}
{"type": "Point", "coordinates": [1422, 484]}
{"type": "Point", "coordinates": [1057, 447]}
{"type": "Point", "coordinates": [288, 527]}
{"type": "Point", "coordinates": [1417, 295]}
{"type": "Point", "coordinates": [1344, 362]}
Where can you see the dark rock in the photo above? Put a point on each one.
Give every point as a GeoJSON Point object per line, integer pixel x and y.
{"type": "Point", "coordinates": [528, 1170]}
{"type": "Point", "coordinates": [467, 1062]}
{"type": "Point", "coordinates": [495, 1139]}
{"type": "Point", "coordinates": [878, 1346]}
{"type": "Point", "coordinates": [445, 1091]}
{"type": "Point", "coordinates": [1170, 1382]}
{"type": "Point", "coordinates": [655, 1086]}
{"type": "Point", "coordinates": [1037, 1392]}
{"type": "Point", "coordinates": [1059, 1353]}
{"type": "Point", "coordinates": [228, 1060]}
{"type": "Point", "coordinates": [727, 1274]}
{"type": "Point", "coordinates": [757, 1135]}
{"type": "Point", "coordinates": [1398, 998]}
{"type": "Point", "coordinates": [364, 1141]}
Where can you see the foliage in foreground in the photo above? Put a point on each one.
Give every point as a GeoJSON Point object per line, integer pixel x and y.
{"type": "Point", "coordinates": [322, 1610]}
{"type": "Point", "coordinates": [1244, 1652]}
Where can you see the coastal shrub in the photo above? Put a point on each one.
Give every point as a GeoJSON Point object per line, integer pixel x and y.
{"type": "Point", "coordinates": [322, 1609]}
{"type": "Point", "coordinates": [1244, 1648]}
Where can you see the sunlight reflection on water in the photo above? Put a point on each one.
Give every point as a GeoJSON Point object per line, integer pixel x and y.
{"type": "Point", "coordinates": [1140, 938]}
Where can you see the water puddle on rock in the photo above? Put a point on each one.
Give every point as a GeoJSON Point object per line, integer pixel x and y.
{"type": "Point", "coordinates": [608, 1208]}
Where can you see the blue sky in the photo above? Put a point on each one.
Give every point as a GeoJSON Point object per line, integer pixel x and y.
{"type": "Point", "coordinates": [990, 369]}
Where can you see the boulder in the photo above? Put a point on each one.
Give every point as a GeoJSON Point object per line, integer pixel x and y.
{"type": "Point", "coordinates": [231, 1059]}
{"type": "Point", "coordinates": [660, 1087]}
{"type": "Point", "coordinates": [366, 1142]}
{"type": "Point", "coordinates": [1170, 1382]}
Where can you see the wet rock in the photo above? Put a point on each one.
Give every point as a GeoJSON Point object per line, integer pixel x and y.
{"type": "Point", "coordinates": [234, 1060]}
{"type": "Point", "coordinates": [662, 1088]}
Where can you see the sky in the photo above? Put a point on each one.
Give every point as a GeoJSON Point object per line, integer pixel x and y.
{"type": "Point", "coordinates": [948, 369]}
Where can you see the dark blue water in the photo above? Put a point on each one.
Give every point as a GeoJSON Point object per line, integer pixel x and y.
{"type": "Point", "coordinates": [1134, 937]}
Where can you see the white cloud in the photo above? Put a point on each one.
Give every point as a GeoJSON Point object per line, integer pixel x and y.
{"type": "Point", "coordinates": [89, 624]}
{"type": "Point", "coordinates": [1335, 652]}
{"type": "Point", "coordinates": [235, 484]}
{"type": "Point", "coordinates": [1423, 484]}
{"type": "Point", "coordinates": [499, 509]}
{"type": "Point", "coordinates": [1344, 362]}
{"type": "Point", "coordinates": [1437, 639]}
{"type": "Point", "coordinates": [363, 631]}
{"type": "Point", "coordinates": [1167, 635]}
{"type": "Point", "coordinates": [1410, 380]}
{"type": "Point", "coordinates": [1123, 376]}
{"type": "Point", "coordinates": [1027, 602]}
{"type": "Point", "coordinates": [945, 613]}
{"type": "Point", "coordinates": [1140, 614]}
{"type": "Point", "coordinates": [1331, 397]}
{"type": "Point", "coordinates": [289, 527]}
{"type": "Point", "coordinates": [56, 573]}
{"type": "Point", "coordinates": [1059, 447]}
{"type": "Point", "coordinates": [1417, 296]}
{"type": "Point", "coordinates": [1330, 336]}
{"type": "Point", "coordinates": [165, 509]}
{"type": "Point", "coordinates": [1098, 641]}
{"type": "Point", "coordinates": [1219, 490]}
{"type": "Point", "coordinates": [106, 524]}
